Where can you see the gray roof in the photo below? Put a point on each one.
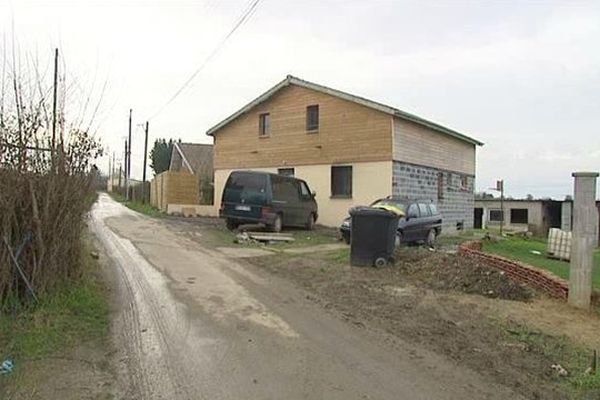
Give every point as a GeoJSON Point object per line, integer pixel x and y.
{"type": "Point", "coordinates": [196, 157]}
{"type": "Point", "coordinates": [292, 80]}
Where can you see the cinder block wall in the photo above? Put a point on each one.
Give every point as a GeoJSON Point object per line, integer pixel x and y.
{"type": "Point", "coordinates": [418, 182]}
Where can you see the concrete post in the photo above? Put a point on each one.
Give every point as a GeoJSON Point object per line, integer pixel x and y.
{"type": "Point", "coordinates": [585, 238]}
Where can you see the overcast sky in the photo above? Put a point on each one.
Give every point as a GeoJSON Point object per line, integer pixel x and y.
{"type": "Point", "coordinates": [523, 77]}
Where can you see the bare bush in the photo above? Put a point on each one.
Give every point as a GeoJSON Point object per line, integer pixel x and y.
{"type": "Point", "coordinates": [45, 190]}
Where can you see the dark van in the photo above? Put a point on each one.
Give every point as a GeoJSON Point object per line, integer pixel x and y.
{"type": "Point", "coordinates": [251, 197]}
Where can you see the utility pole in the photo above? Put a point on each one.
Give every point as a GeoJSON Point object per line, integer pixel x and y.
{"type": "Point", "coordinates": [109, 185]}
{"type": "Point", "coordinates": [124, 167]}
{"type": "Point", "coordinates": [500, 188]}
{"type": "Point", "coordinates": [112, 173]}
{"type": "Point", "coordinates": [145, 160]}
{"type": "Point", "coordinates": [585, 239]}
{"type": "Point", "coordinates": [54, 101]}
{"type": "Point", "coordinates": [128, 157]}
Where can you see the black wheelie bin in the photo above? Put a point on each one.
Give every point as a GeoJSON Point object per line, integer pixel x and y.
{"type": "Point", "coordinates": [373, 236]}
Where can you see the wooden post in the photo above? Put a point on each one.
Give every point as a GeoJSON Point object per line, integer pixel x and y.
{"type": "Point", "coordinates": [585, 238]}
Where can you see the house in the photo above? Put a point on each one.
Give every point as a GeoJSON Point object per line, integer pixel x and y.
{"type": "Point", "coordinates": [197, 159]}
{"type": "Point", "coordinates": [350, 150]}
{"type": "Point", "coordinates": [536, 216]}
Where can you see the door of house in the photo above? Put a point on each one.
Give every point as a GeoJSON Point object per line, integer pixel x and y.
{"type": "Point", "coordinates": [478, 221]}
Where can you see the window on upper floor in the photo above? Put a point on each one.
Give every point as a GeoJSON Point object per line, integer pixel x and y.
{"type": "Point", "coordinates": [312, 118]}
{"type": "Point", "coordinates": [264, 124]}
{"type": "Point", "coordinates": [464, 182]}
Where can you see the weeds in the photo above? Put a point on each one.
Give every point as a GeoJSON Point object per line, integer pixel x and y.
{"type": "Point", "coordinates": [75, 312]}
{"type": "Point", "coordinates": [142, 208]}
{"type": "Point", "coordinates": [560, 350]}
{"type": "Point", "coordinates": [46, 182]}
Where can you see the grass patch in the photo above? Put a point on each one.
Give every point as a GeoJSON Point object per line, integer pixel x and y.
{"type": "Point", "coordinates": [143, 208]}
{"type": "Point", "coordinates": [520, 249]}
{"type": "Point", "coordinates": [559, 350]}
{"type": "Point", "coordinates": [303, 238]}
{"type": "Point", "coordinates": [76, 313]}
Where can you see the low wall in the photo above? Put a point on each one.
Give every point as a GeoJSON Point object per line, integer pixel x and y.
{"type": "Point", "coordinates": [192, 210]}
{"type": "Point", "coordinates": [523, 273]}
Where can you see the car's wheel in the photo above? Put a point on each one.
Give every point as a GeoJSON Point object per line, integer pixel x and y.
{"type": "Point", "coordinates": [346, 237]}
{"type": "Point", "coordinates": [310, 224]}
{"type": "Point", "coordinates": [231, 224]}
{"type": "Point", "coordinates": [430, 241]}
{"type": "Point", "coordinates": [277, 224]}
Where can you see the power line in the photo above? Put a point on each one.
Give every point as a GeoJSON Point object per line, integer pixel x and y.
{"type": "Point", "coordinates": [243, 19]}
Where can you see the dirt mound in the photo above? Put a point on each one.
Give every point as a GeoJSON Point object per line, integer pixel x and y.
{"type": "Point", "coordinates": [452, 272]}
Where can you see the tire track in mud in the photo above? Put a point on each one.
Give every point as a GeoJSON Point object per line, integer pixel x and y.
{"type": "Point", "coordinates": [153, 326]}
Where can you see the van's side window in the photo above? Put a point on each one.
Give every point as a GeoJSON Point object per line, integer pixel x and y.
{"type": "Point", "coordinates": [304, 192]}
{"type": "Point", "coordinates": [285, 189]}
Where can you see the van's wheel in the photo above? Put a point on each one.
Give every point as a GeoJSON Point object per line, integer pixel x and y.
{"type": "Point", "coordinates": [430, 241]}
{"type": "Point", "coordinates": [310, 224]}
{"type": "Point", "coordinates": [231, 224]}
{"type": "Point", "coordinates": [276, 225]}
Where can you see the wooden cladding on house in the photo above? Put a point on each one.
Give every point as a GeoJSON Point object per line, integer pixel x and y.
{"type": "Point", "coordinates": [341, 132]}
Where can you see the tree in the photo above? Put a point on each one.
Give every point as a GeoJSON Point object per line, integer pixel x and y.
{"type": "Point", "coordinates": [529, 197]}
{"type": "Point", "coordinates": [483, 196]}
{"type": "Point", "coordinates": [160, 155]}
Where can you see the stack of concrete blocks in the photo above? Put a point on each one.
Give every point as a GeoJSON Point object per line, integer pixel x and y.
{"type": "Point", "coordinates": [559, 244]}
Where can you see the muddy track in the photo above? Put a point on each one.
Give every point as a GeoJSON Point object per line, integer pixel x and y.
{"type": "Point", "coordinates": [195, 324]}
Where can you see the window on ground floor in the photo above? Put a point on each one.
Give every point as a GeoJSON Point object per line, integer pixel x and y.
{"type": "Point", "coordinates": [286, 171]}
{"type": "Point", "coordinates": [519, 216]}
{"type": "Point", "coordinates": [341, 181]}
{"type": "Point", "coordinates": [496, 215]}
{"type": "Point", "coordinates": [440, 185]}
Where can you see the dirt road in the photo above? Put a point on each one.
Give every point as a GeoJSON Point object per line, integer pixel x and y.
{"type": "Point", "coordinates": [194, 323]}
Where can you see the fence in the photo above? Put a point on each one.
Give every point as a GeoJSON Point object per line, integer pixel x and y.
{"type": "Point", "coordinates": [174, 188]}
